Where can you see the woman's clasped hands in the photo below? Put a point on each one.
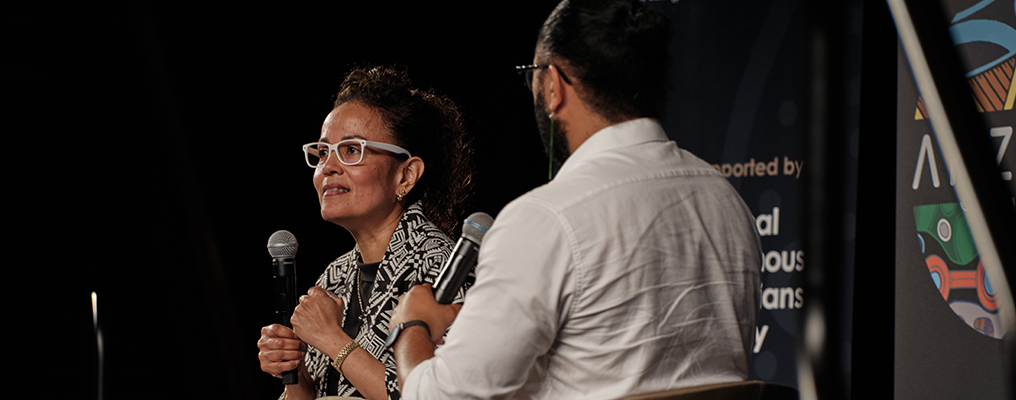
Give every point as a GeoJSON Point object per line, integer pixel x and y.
{"type": "Point", "coordinates": [315, 321]}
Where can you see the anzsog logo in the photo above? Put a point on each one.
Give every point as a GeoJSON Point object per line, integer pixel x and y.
{"type": "Point", "coordinates": [955, 268]}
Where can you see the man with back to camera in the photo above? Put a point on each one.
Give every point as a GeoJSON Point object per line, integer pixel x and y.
{"type": "Point", "coordinates": [635, 270]}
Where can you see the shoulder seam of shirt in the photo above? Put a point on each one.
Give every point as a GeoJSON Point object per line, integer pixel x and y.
{"type": "Point", "coordinates": [577, 260]}
{"type": "Point", "coordinates": [688, 173]}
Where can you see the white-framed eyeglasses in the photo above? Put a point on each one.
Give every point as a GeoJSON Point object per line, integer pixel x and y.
{"type": "Point", "coordinates": [350, 151]}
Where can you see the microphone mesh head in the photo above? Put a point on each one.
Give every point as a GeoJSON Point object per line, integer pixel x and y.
{"type": "Point", "coordinates": [474, 227]}
{"type": "Point", "coordinates": [282, 244]}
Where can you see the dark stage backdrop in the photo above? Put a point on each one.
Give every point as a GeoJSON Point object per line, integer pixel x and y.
{"type": "Point", "coordinates": [170, 135]}
{"type": "Point", "coordinates": [947, 331]}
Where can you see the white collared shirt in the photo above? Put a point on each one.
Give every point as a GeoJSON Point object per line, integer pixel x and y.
{"type": "Point", "coordinates": [636, 269]}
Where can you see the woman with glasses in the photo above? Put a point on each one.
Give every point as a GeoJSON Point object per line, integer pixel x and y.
{"type": "Point", "coordinates": [391, 166]}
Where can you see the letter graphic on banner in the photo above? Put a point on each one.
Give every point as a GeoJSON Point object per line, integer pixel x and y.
{"type": "Point", "coordinates": [926, 152]}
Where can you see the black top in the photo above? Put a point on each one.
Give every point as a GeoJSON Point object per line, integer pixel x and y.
{"type": "Point", "coordinates": [354, 314]}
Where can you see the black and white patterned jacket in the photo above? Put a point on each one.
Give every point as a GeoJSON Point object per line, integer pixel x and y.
{"type": "Point", "coordinates": [415, 255]}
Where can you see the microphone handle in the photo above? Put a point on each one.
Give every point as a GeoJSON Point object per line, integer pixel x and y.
{"type": "Point", "coordinates": [284, 270]}
{"type": "Point", "coordinates": [453, 275]}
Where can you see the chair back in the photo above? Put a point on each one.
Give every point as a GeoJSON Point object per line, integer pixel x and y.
{"type": "Point", "coordinates": [748, 390]}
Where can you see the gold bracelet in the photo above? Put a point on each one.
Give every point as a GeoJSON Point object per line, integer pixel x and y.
{"type": "Point", "coordinates": [337, 361]}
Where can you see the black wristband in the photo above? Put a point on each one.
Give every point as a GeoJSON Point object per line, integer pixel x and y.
{"type": "Point", "coordinates": [394, 335]}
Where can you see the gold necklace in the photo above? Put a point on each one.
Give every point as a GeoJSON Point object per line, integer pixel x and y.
{"type": "Point", "coordinates": [359, 299]}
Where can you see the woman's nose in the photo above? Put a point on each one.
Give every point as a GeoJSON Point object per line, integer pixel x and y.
{"type": "Point", "coordinates": [332, 164]}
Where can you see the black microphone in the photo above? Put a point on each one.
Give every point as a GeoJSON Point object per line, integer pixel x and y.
{"type": "Point", "coordinates": [282, 246]}
{"type": "Point", "coordinates": [463, 258]}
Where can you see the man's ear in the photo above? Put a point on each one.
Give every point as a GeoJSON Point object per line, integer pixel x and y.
{"type": "Point", "coordinates": [553, 89]}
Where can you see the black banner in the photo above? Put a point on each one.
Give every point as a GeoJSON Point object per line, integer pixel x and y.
{"type": "Point", "coordinates": [947, 328]}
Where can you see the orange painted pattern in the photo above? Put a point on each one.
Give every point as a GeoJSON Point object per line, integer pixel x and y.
{"type": "Point", "coordinates": [991, 89]}
{"type": "Point", "coordinates": [962, 279]}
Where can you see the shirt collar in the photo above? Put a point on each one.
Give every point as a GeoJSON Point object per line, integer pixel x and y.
{"type": "Point", "coordinates": [628, 133]}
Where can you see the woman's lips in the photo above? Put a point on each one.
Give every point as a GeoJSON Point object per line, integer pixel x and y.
{"type": "Point", "coordinates": [334, 189]}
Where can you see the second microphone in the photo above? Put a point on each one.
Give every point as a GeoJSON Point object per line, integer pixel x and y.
{"type": "Point", "coordinates": [463, 258]}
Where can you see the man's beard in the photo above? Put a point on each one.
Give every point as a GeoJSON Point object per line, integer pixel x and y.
{"type": "Point", "coordinates": [543, 124]}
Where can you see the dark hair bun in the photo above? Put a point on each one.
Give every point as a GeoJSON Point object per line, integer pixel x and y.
{"type": "Point", "coordinates": [618, 51]}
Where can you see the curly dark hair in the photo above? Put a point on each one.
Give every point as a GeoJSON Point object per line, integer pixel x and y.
{"type": "Point", "coordinates": [431, 127]}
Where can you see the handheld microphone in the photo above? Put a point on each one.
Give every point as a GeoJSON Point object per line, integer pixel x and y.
{"type": "Point", "coordinates": [463, 258]}
{"type": "Point", "coordinates": [282, 247]}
